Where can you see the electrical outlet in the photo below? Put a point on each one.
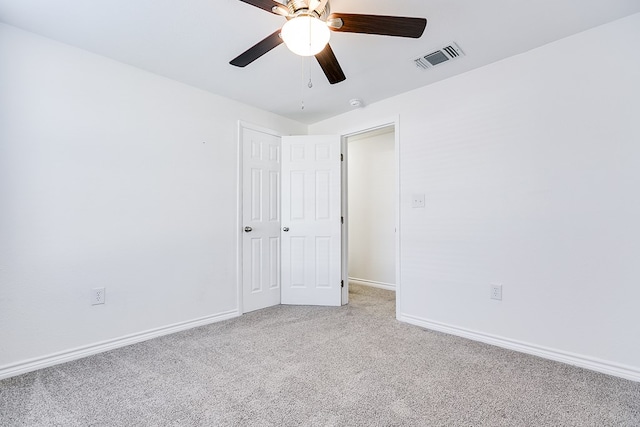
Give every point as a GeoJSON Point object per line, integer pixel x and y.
{"type": "Point", "coordinates": [496, 291]}
{"type": "Point", "coordinates": [417, 201]}
{"type": "Point", "coordinates": [97, 296]}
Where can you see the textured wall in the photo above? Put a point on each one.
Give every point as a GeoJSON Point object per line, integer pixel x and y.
{"type": "Point", "coordinates": [110, 177]}
{"type": "Point", "coordinates": [530, 168]}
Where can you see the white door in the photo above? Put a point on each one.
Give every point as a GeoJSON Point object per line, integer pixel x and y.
{"type": "Point", "coordinates": [261, 220]}
{"type": "Point", "coordinates": [311, 220]}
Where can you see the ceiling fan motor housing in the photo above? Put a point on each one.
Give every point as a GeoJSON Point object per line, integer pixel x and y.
{"type": "Point", "coordinates": [301, 7]}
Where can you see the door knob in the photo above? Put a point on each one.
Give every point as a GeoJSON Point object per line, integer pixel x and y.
{"type": "Point", "coordinates": [248, 229]}
{"type": "Point", "coordinates": [285, 229]}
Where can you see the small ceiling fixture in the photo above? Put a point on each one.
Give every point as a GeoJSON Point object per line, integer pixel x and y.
{"type": "Point", "coordinates": [355, 103]}
{"type": "Point", "coordinates": [305, 35]}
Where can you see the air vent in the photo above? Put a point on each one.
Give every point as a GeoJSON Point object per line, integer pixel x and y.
{"type": "Point", "coordinates": [447, 53]}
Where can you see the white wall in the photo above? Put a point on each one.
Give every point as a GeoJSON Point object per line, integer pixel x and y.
{"type": "Point", "coordinates": [110, 176]}
{"type": "Point", "coordinates": [531, 169]}
{"type": "Point", "coordinates": [372, 204]}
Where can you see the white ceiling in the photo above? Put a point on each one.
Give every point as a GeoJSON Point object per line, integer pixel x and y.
{"type": "Point", "coordinates": [192, 41]}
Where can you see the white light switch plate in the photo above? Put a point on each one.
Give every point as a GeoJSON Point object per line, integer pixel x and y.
{"type": "Point", "coordinates": [496, 291]}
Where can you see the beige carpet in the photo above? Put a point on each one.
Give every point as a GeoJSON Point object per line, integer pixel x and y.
{"type": "Point", "coordinates": [317, 366]}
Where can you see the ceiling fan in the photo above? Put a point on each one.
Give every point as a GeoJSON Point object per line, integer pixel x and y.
{"type": "Point", "coordinates": [307, 31]}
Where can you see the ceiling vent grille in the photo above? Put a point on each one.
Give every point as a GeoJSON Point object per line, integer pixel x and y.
{"type": "Point", "coordinates": [447, 53]}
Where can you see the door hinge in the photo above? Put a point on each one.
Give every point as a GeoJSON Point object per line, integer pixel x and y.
{"type": "Point", "coordinates": [341, 220]}
{"type": "Point", "coordinates": [341, 157]}
{"type": "Point", "coordinates": [342, 283]}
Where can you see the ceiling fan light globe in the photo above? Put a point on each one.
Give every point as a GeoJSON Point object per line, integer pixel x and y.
{"type": "Point", "coordinates": [305, 35]}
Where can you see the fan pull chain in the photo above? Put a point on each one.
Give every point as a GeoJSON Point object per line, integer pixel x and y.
{"type": "Point", "coordinates": [306, 67]}
{"type": "Point", "coordinates": [302, 81]}
{"type": "Point", "coordinates": [310, 84]}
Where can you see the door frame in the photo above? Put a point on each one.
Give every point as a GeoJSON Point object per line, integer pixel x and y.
{"type": "Point", "coordinates": [395, 122]}
{"type": "Point", "coordinates": [242, 125]}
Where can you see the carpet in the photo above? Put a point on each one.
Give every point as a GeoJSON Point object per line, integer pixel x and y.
{"type": "Point", "coordinates": [317, 366]}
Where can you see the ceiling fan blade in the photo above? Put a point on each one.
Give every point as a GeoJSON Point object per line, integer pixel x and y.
{"type": "Point", "coordinates": [398, 26]}
{"type": "Point", "coordinates": [257, 50]}
{"type": "Point", "coordinates": [267, 5]}
{"type": "Point", "coordinates": [329, 64]}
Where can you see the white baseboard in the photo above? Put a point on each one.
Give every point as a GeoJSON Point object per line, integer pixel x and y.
{"type": "Point", "coordinates": [605, 367]}
{"type": "Point", "coordinates": [80, 352]}
{"type": "Point", "coordinates": [373, 283]}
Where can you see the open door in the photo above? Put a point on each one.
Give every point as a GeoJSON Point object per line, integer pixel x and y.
{"type": "Point", "coordinates": [311, 220]}
{"type": "Point", "coordinates": [261, 154]}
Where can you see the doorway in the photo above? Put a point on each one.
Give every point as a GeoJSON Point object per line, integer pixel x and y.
{"type": "Point", "coordinates": [260, 257]}
{"type": "Point", "coordinates": [371, 193]}
{"type": "Point", "coordinates": [372, 201]}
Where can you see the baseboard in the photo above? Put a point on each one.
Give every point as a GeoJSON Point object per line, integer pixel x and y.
{"type": "Point", "coordinates": [605, 367]}
{"type": "Point", "coordinates": [373, 283]}
{"type": "Point", "coordinates": [80, 352]}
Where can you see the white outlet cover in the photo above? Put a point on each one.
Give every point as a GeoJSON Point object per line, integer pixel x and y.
{"type": "Point", "coordinates": [417, 201]}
